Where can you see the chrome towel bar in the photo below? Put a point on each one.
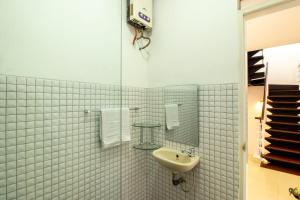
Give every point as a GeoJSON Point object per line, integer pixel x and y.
{"type": "Point", "coordinates": [132, 108]}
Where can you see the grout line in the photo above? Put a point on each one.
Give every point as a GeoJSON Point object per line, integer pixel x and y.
{"type": "Point", "coordinates": [6, 107]}
{"type": "Point", "coordinates": [16, 142]}
{"type": "Point", "coordinates": [34, 143]}
{"type": "Point", "coordinates": [44, 138]}
{"type": "Point", "coordinates": [51, 131]}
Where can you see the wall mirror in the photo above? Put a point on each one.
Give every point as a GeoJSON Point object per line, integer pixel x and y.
{"type": "Point", "coordinates": [186, 98]}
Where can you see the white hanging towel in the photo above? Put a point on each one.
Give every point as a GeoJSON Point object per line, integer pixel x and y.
{"type": "Point", "coordinates": [172, 116]}
{"type": "Point", "coordinates": [125, 125]}
{"type": "Point", "coordinates": [110, 126]}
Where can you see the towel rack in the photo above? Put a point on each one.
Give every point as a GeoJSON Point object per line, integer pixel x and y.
{"type": "Point", "coordinates": [179, 104]}
{"type": "Point", "coordinates": [132, 108]}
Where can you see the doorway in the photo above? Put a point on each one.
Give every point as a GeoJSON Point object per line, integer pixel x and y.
{"type": "Point", "coordinates": [271, 179]}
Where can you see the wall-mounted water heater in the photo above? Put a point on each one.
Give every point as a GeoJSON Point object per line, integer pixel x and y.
{"type": "Point", "coordinates": [140, 13]}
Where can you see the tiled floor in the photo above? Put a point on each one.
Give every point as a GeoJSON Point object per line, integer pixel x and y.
{"type": "Point", "coordinates": [265, 184]}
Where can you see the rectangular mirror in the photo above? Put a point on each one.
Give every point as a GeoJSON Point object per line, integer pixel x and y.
{"type": "Point", "coordinates": [183, 100]}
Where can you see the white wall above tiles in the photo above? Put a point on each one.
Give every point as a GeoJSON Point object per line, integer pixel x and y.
{"type": "Point", "coordinates": [135, 63]}
{"type": "Point", "coordinates": [194, 42]}
{"type": "Point", "coordinates": [61, 39]}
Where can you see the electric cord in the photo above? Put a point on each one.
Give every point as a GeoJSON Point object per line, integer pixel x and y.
{"type": "Point", "coordinates": [143, 37]}
{"type": "Point", "coordinates": [135, 36]}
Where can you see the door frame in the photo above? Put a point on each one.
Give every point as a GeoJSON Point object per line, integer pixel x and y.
{"type": "Point", "coordinates": [243, 14]}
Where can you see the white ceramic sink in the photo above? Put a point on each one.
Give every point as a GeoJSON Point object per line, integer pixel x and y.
{"type": "Point", "coordinates": [175, 160]}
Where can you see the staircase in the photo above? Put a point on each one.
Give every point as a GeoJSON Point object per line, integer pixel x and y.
{"type": "Point", "coordinates": [255, 63]}
{"type": "Point", "coordinates": [284, 134]}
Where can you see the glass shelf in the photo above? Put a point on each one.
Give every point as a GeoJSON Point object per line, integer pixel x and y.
{"type": "Point", "coordinates": [146, 146]}
{"type": "Point", "coordinates": [146, 125]}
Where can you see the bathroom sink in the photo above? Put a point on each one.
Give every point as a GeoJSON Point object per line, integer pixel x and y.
{"type": "Point", "coordinates": [175, 160]}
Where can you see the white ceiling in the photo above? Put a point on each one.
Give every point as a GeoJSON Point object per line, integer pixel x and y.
{"type": "Point", "coordinates": [273, 29]}
{"type": "Point", "coordinates": [246, 3]}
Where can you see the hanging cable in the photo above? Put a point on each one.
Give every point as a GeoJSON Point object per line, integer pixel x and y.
{"type": "Point", "coordinates": [135, 36]}
{"type": "Point", "coordinates": [143, 37]}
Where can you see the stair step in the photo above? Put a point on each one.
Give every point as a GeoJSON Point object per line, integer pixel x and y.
{"type": "Point", "coordinates": [284, 92]}
{"type": "Point", "coordinates": [257, 82]}
{"type": "Point", "coordinates": [278, 104]}
{"type": "Point", "coordinates": [284, 96]}
{"type": "Point", "coordinates": [283, 87]}
{"type": "Point", "coordinates": [287, 109]}
{"type": "Point", "coordinates": [290, 170]}
{"type": "Point", "coordinates": [282, 123]}
{"type": "Point", "coordinates": [257, 75]}
{"type": "Point", "coordinates": [253, 60]}
{"type": "Point", "coordinates": [284, 111]}
{"type": "Point", "coordinates": [272, 130]}
{"type": "Point", "coordinates": [254, 68]}
{"type": "Point", "coordinates": [282, 149]}
{"type": "Point", "coordinates": [282, 159]}
{"type": "Point", "coordinates": [284, 102]}
{"type": "Point", "coordinates": [283, 116]}
{"type": "Point", "coordinates": [252, 53]}
{"type": "Point", "coordinates": [294, 98]}
{"type": "Point", "coordinates": [282, 140]}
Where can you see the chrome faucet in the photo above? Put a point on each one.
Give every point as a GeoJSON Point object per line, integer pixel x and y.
{"type": "Point", "coordinates": [190, 152]}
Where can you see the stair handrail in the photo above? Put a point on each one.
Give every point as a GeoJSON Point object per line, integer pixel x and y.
{"type": "Point", "coordinates": [262, 118]}
{"type": "Point", "coordinates": [263, 113]}
{"type": "Point", "coordinates": [266, 88]}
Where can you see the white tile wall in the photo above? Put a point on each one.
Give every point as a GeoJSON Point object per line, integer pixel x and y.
{"type": "Point", "coordinates": [50, 149]}
{"type": "Point", "coordinates": [217, 177]}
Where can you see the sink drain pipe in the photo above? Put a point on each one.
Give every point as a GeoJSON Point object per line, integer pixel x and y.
{"type": "Point", "coordinates": [178, 179]}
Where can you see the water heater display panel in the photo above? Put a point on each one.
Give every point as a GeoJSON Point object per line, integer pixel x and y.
{"type": "Point", "coordinates": [140, 13]}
